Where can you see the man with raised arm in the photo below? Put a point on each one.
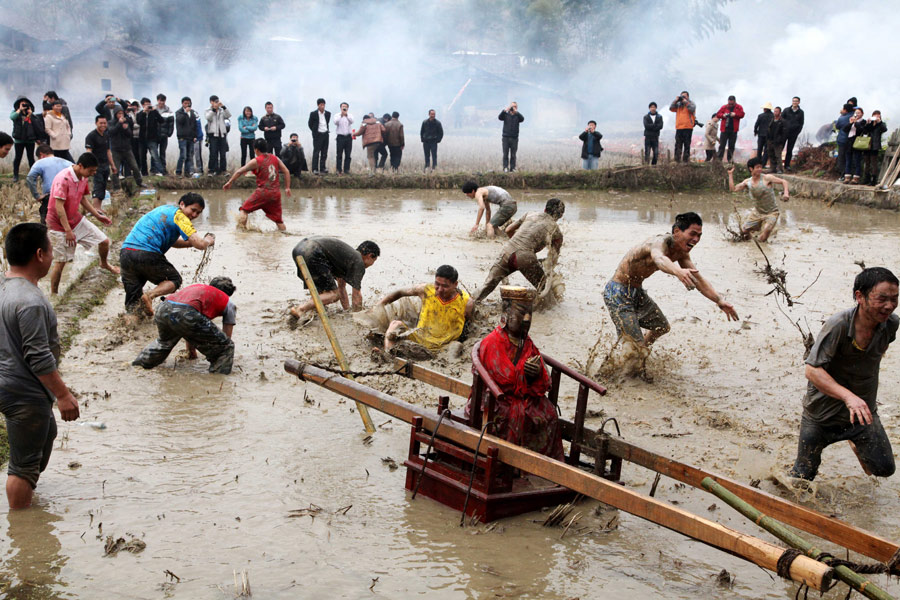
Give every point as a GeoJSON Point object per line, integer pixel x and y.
{"type": "Point", "coordinates": [267, 196]}
{"type": "Point", "coordinates": [763, 217]}
{"type": "Point", "coordinates": [631, 308]}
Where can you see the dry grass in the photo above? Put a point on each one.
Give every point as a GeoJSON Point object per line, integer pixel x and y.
{"type": "Point", "coordinates": [815, 159]}
{"type": "Point", "coordinates": [16, 206]}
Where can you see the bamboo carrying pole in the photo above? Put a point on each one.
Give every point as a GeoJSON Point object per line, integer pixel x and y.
{"type": "Point", "coordinates": [803, 570]}
{"type": "Point", "coordinates": [801, 517]}
{"type": "Point", "coordinates": [858, 582]}
{"type": "Point", "coordinates": [335, 345]}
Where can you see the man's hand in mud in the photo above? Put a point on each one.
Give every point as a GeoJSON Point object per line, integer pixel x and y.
{"type": "Point", "coordinates": [785, 196]}
{"type": "Point", "coordinates": [227, 185]}
{"type": "Point", "coordinates": [287, 192]}
{"type": "Point", "coordinates": [686, 276]}
{"type": "Point", "coordinates": [859, 410]}
{"type": "Point", "coordinates": [728, 309]}
{"type": "Point", "coordinates": [211, 238]}
{"type": "Point", "coordinates": [533, 367]}
{"type": "Point", "coordinates": [474, 229]}
{"type": "Point", "coordinates": [68, 407]}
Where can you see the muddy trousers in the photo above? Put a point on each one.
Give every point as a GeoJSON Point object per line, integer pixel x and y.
{"type": "Point", "coordinates": [175, 321]}
{"type": "Point", "coordinates": [521, 260]}
{"type": "Point", "coordinates": [872, 447]}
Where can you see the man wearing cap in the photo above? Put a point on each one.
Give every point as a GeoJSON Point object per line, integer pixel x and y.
{"type": "Point", "coordinates": [445, 310]}
{"type": "Point", "coordinates": [524, 414]}
{"type": "Point", "coordinates": [730, 115]}
{"type": "Point", "coordinates": [529, 235]}
{"type": "Point", "coordinates": [188, 314]}
{"type": "Point", "coordinates": [629, 305]}
{"type": "Point", "coordinates": [760, 130]}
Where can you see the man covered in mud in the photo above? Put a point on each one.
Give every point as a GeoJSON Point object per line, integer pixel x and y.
{"type": "Point", "coordinates": [445, 310]}
{"type": "Point", "coordinates": [631, 308]}
{"type": "Point", "coordinates": [267, 195]}
{"type": "Point", "coordinates": [485, 196]}
{"type": "Point", "coordinates": [763, 217]}
{"type": "Point", "coordinates": [842, 371]}
{"type": "Point", "coordinates": [143, 254]}
{"type": "Point", "coordinates": [525, 415]}
{"type": "Point", "coordinates": [333, 264]}
{"type": "Point", "coordinates": [189, 314]}
{"type": "Point", "coordinates": [528, 236]}
{"type": "Point", "coordinates": [29, 351]}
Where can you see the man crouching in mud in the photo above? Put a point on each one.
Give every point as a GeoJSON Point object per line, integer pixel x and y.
{"type": "Point", "coordinates": [842, 368]}
{"type": "Point", "coordinates": [631, 308]}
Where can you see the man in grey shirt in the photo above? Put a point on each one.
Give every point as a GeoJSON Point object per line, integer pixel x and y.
{"type": "Point", "coordinates": [842, 369]}
{"type": "Point", "coordinates": [485, 196]}
{"type": "Point", "coordinates": [29, 350]}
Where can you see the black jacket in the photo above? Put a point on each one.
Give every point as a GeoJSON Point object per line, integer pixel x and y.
{"type": "Point", "coordinates": [761, 127]}
{"type": "Point", "coordinates": [273, 120]}
{"type": "Point", "coordinates": [314, 121]}
{"type": "Point", "coordinates": [26, 130]}
{"type": "Point", "coordinates": [150, 123]}
{"type": "Point", "coordinates": [776, 132]}
{"type": "Point", "coordinates": [186, 124]}
{"type": "Point", "coordinates": [875, 130]}
{"type": "Point", "coordinates": [432, 131]}
{"type": "Point", "coordinates": [596, 150]}
{"type": "Point", "coordinates": [793, 121]}
{"type": "Point", "coordinates": [107, 112]}
{"type": "Point", "coordinates": [511, 123]}
{"type": "Point", "coordinates": [294, 159]}
{"type": "Point", "coordinates": [120, 136]}
{"type": "Point", "coordinates": [653, 124]}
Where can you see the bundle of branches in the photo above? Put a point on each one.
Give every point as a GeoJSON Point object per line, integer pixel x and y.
{"type": "Point", "coordinates": [815, 158]}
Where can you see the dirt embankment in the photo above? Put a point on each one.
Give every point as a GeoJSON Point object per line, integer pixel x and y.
{"type": "Point", "coordinates": [664, 177]}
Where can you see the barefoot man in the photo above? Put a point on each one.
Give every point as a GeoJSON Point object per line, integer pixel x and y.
{"type": "Point", "coordinates": [631, 308]}
{"type": "Point", "coordinates": [268, 187]}
{"type": "Point", "coordinates": [763, 216]}
{"type": "Point", "coordinates": [143, 253]}
{"type": "Point", "coordinates": [485, 196]}
{"type": "Point", "coordinates": [333, 264]}
{"type": "Point", "coordinates": [68, 227]}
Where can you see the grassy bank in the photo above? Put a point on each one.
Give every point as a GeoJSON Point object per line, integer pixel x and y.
{"type": "Point", "coordinates": [663, 177]}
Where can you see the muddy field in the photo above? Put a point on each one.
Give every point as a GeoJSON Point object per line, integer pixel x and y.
{"type": "Point", "coordinates": [206, 470]}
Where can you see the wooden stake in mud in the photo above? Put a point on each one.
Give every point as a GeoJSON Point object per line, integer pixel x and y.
{"type": "Point", "coordinates": [335, 345]}
{"type": "Point", "coordinates": [803, 569]}
{"type": "Point", "coordinates": [858, 582]}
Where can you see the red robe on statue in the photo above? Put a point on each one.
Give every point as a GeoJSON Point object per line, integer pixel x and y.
{"type": "Point", "coordinates": [525, 416]}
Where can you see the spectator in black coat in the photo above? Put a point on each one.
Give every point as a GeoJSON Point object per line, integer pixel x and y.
{"type": "Point", "coordinates": [431, 134]}
{"type": "Point", "coordinates": [293, 157]}
{"type": "Point", "coordinates": [793, 125]}
{"type": "Point", "coordinates": [761, 131]}
{"type": "Point", "coordinates": [653, 124]}
{"type": "Point", "coordinates": [775, 138]}
{"type": "Point", "coordinates": [875, 129]}
{"type": "Point", "coordinates": [590, 146]}
{"type": "Point", "coordinates": [511, 118]}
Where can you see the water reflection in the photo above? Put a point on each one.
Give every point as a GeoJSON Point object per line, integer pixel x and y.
{"type": "Point", "coordinates": [31, 570]}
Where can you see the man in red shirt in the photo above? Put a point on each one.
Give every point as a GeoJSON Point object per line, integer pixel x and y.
{"type": "Point", "coordinates": [730, 116]}
{"type": "Point", "coordinates": [268, 187]}
{"type": "Point", "coordinates": [67, 226]}
{"type": "Point", "coordinates": [188, 314]}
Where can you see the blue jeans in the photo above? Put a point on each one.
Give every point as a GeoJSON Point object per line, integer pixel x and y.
{"type": "Point", "coordinates": [156, 165]}
{"type": "Point", "coordinates": [185, 156]}
{"type": "Point", "coordinates": [590, 163]}
{"type": "Point", "coordinates": [198, 156]}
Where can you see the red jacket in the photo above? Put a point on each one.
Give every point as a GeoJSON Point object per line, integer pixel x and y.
{"type": "Point", "coordinates": [738, 111]}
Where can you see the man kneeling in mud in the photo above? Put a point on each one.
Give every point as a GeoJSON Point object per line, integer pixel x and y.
{"type": "Point", "coordinates": [631, 308]}
{"type": "Point", "coordinates": [445, 310]}
{"type": "Point", "coordinates": [528, 236]}
{"type": "Point", "coordinates": [188, 314]}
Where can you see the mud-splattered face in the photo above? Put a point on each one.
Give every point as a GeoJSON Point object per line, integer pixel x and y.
{"type": "Point", "coordinates": [518, 319]}
{"type": "Point", "coordinates": [444, 288]}
{"type": "Point", "coordinates": [881, 301]}
{"type": "Point", "coordinates": [687, 239]}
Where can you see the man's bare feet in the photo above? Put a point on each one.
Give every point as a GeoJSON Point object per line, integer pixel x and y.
{"type": "Point", "coordinates": [148, 304]}
{"type": "Point", "coordinates": [111, 268]}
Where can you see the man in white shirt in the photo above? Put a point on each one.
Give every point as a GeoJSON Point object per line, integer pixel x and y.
{"type": "Point", "coordinates": [344, 144]}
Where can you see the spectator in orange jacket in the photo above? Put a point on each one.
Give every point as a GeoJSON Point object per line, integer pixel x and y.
{"type": "Point", "coordinates": [730, 116]}
{"type": "Point", "coordinates": [684, 125]}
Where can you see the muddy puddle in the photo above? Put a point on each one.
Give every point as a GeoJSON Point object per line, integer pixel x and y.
{"type": "Point", "coordinates": [206, 470]}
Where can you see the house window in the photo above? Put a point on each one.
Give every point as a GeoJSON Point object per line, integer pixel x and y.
{"type": "Point", "coordinates": [106, 85]}
{"type": "Point", "coordinates": [105, 64]}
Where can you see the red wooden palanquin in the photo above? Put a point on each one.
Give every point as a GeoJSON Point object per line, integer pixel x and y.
{"type": "Point", "coordinates": [496, 490]}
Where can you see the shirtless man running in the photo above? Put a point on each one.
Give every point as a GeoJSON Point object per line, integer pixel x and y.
{"type": "Point", "coordinates": [764, 215]}
{"type": "Point", "coordinates": [631, 308]}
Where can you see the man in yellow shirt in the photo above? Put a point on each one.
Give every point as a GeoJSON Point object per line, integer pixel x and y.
{"type": "Point", "coordinates": [445, 309]}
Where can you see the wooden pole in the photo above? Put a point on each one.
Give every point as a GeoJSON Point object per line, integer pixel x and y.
{"type": "Point", "coordinates": [858, 582]}
{"type": "Point", "coordinates": [803, 570]}
{"type": "Point", "coordinates": [801, 517]}
{"type": "Point", "coordinates": [335, 345]}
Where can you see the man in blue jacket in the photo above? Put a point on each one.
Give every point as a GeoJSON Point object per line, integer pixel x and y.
{"type": "Point", "coordinates": [839, 124]}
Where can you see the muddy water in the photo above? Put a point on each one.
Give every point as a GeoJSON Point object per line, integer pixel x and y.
{"type": "Point", "coordinates": [206, 469]}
